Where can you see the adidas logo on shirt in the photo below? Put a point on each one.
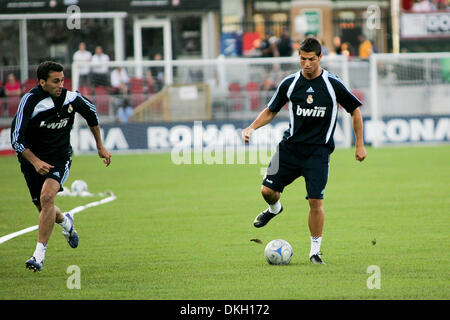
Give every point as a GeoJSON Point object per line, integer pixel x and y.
{"type": "Point", "coordinates": [310, 90]}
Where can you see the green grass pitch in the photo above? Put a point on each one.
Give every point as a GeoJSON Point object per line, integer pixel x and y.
{"type": "Point", "coordinates": [183, 231]}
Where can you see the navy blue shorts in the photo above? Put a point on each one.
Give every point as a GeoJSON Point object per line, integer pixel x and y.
{"type": "Point", "coordinates": [292, 161]}
{"type": "Point", "coordinates": [35, 181]}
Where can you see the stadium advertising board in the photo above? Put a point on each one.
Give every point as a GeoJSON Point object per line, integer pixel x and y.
{"type": "Point", "coordinates": [425, 25]}
{"type": "Point", "coordinates": [5, 142]}
{"type": "Point", "coordinates": [218, 136]}
{"type": "Point", "coordinates": [193, 135]}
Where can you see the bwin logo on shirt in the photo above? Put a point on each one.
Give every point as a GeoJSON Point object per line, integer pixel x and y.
{"type": "Point", "coordinates": [55, 125]}
{"type": "Point", "coordinates": [316, 112]}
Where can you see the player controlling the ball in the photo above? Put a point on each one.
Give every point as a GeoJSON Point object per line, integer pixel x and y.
{"type": "Point", "coordinates": [313, 95]}
{"type": "Point", "coordinates": [40, 135]}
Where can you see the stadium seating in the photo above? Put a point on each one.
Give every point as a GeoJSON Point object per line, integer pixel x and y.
{"type": "Point", "coordinates": [102, 100]}
{"type": "Point", "coordinates": [86, 91]}
{"type": "Point", "coordinates": [29, 84]}
{"type": "Point", "coordinates": [137, 91]}
{"type": "Point", "coordinates": [12, 103]}
{"type": "Point", "coordinates": [235, 96]}
{"type": "Point", "coordinates": [68, 83]}
{"type": "Point", "coordinates": [252, 89]}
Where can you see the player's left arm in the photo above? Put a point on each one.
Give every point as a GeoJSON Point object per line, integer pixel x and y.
{"type": "Point", "coordinates": [102, 151]}
{"type": "Point", "coordinates": [357, 122]}
{"type": "Point", "coordinates": [351, 104]}
{"type": "Point", "coordinates": [89, 112]}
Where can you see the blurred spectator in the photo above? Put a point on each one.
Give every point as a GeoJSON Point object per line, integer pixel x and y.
{"type": "Point", "coordinates": [337, 45]}
{"type": "Point", "coordinates": [374, 48]}
{"type": "Point", "coordinates": [423, 6]}
{"type": "Point", "coordinates": [155, 76]}
{"type": "Point", "coordinates": [269, 46]}
{"type": "Point", "coordinates": [268, 84]}
{"type": "Point", "coordinates": [325, 50]}
{"type": "Point", "coordinates": [365, 47]}
{"type": "Point", "coordinates": [441, 4]}
{"type": "Point", "coordinates": [120, 81]}
{"type": "Point", "coordinates": [12, 86]}
{"type": "Point", "coordinates": [295, 47]}
{"type": "Point", "coordinates": [83, 56]}
{"type": "Point", "coordinates": [100, 72]}
{"type": "Point", "coordinates": [124, 112]}
{"type": "Point", "coordinates": [285, 44]}
{"type": "Point", "coordinates": [346, 49]}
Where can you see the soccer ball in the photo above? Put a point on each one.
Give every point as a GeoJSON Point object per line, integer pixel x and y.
{"type": "Point", "coordinates": [278, 251]}
{"type": "Point", "coordinates": [79, 186]}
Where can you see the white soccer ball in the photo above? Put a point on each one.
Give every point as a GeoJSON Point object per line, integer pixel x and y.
{"type": "Point", "coordinates": [79, 186]}
{"type": "Point", "coordinates": [278, 251]}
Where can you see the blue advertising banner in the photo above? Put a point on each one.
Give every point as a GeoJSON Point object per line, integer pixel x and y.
{"type": "Point", "coordinates": [197, 135]}
{"type": "Point", "coordinates": [231, 44]}
{"type": "Point", "coordinates": [163, 137]}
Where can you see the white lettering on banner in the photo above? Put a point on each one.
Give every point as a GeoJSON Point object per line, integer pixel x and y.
{"type": "Point", "coordinates": [157, 137]}
{"type": "Point", "coordinates": [397, 130]}
{"type": "Point", "coordinates": [425, 24]}
{"type": "Point", "coordinates": [222, 144]}
{"type": "Point", "coordinates": [210, 136]}
{"type": "Point", "coordinates": [412, 130]}
{"type": "Point", "coordinates": [114, 140]}
{"type": "Point", "coordinates": [86, 141]}
{"type": "Point", "coordinates": [443, 130]}
{"type": "Point", "coordinates": [5, 139]}
{"type": "Point", "coordinates": [422, 129]}
{"type": "Point", "coordinates": [180, 136]}
{"type": "Point", "coordinates": [438, 23]}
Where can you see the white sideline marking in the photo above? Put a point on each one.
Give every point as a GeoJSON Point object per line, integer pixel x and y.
{"type": "Point", "coordinates": [71, 212]}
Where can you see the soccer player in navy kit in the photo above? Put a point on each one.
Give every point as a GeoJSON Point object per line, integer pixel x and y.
{"type": "Point", "coordinates": [313, 95]}
{"type": "Point", "coordinates": [40, 135]}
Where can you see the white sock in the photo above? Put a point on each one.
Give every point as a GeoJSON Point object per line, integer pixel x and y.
{"type": "Point", "coordinates": [66, 224]}
{"type": "Point", "coordinates": [315, 245]}
{"type": "Point", "coordinates": [275, 208]}
{"type": "Point", "coordinates": [39, 253]}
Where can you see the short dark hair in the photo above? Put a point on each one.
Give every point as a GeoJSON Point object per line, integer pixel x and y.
{"type": "Point", "coordinates": [311, 44]}
{"type": "Point", "coordinates": [44, 69]}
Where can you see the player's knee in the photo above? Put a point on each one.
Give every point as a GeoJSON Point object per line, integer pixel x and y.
{"type": "Point", "coordinates": [315, 204]}
{"type": "Point", "coordinates": [268, 193]}
{"type": "Point", "coordinates": [47, 199]}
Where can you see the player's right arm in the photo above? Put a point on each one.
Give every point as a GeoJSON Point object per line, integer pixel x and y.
{"type": "Point", "coordinates": [277, 102]}
{"type": "Point", "coordinates": [263, 118]}
{"type": "Point", "coordinates": [18, 129]}
{"type": "Point", "coordinates": [41, 167]}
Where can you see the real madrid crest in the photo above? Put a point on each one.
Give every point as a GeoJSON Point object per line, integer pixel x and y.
{"type": "Point", "coordinates": [70, 109]}
{"type": "Point", "coordinates": [310, 99]}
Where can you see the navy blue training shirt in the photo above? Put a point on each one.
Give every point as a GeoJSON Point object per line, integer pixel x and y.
{"type": "Point", "coordinates": [313, 106]}
{"type": "Point", "coordinates": [43, 123]}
